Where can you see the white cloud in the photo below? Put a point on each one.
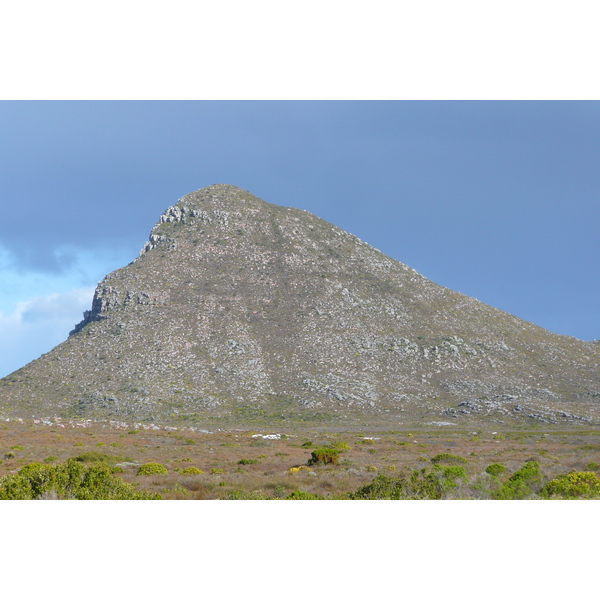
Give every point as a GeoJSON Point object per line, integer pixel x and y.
{"type": "Point", "coordinates": [56, 306]}
{"type": "Point", "coordinates": [81, 268]}
{"type": "Point", "coordinates": [38, 324]}
{"type": "Point", "coordinates": [38, 308]}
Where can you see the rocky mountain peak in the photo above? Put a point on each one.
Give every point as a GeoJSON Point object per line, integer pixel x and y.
{"type": "Point", "coordinates": [237, 310]}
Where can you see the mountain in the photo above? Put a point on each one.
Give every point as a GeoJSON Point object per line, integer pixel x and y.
{"type": "Point", "coordinates": [238, 311]}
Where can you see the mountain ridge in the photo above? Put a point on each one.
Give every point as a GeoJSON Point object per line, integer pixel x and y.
{"type": "Point", "coordinates": [237, 310]}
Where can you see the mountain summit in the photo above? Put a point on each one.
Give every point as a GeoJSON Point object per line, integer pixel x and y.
{"type": "Point", "coordinates": [240, 311]}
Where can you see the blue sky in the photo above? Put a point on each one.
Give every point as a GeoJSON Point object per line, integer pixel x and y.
{"type": "Point", "coordinates": [497, 200]}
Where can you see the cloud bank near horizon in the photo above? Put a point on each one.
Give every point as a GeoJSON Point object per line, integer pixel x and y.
{"type": "Point", "coordinates": [38, 324]}
{"type": "Point", "coordinates": [39, 307]}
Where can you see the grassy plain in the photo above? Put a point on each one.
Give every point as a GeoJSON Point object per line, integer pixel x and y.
{"type": "Point", "coordinates": [243, 464]}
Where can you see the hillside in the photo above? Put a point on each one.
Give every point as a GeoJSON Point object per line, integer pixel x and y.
{"type": "Point", "coordinates": [238, 311]}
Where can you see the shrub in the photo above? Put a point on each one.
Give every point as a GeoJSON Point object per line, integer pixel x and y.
{"type": "Point", "coordinates": [366, 442]}
{"type": "Point", "coordinates": [152, 469]}
{"type": "Point", "coordinates": [9, 455]}
{"type": "Point", "coordinates": [452, 472]}
{"type": "Point", "coordinates": [92, 456]}
{"type": "Point", "coordinates": [248, 461]}
{"type": "Point", "coordinates": [243, 495]}
{"type": "Point", "coordinates": [50, 459]}
{"type": "Point", "coordinates": [300, 468]}
{"type": "Point", "coordinates": [17, 448]}
{"type": "Point", "coordinates": [417, 487]}
{"type": "Point", "coordinates": [339, 446]}
{"type": "Point", "coordinates": [577, 484]}
{"type": "Point", "coordinates": [324, 456]}
{"type": "Point", "coordinates": [298, 495]}
{"type": "Point", "coordinates": [446, 476]}
{"type": "Point", "coordinates": [593, 466]}
{"type": "Point", "coordinates": [495, 469]}
{"type": "Point", "coordinates": [29, 468]}
{"type": "Point", "coordinates": [216, 471]}
{"type": "Point", "coordinates": [191, 471]}
{"type": "Point", "coordinates": [523, 483]}
{"type": "Point", "coordinates": [69, 480]}
{"type": "Point", "coordinates": [307, 445]}
{"type": "Point", "coordinates": [448, 459]}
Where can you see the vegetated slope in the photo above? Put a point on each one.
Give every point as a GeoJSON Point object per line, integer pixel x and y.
{"type": "Point", "coordinates": [241, 310]}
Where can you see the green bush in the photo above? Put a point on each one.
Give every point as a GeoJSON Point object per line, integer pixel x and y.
{"type": "Point", "coordinates": [495, 469]}
{"type": "Point", "coordinates": [69, 480]}
{"type": "Point", "coordinates": [451, 472]}
{"type": "Point", "coordinates": [339, 446]}
{"type": "Point", "coordinates": [298, 495]}
{"type": "Point", "coordinates": [448, 459]}
{"type": "Point", "coordinates": [577, 484]}
{"type": "Point", "coordinates": [324, 456]}
{"type": "Point", "coordinates": [307, 445]}
{"type": "Point", "coordinates": [50, 459]}
{"type": "Point", "coordinates": [593, 466]}
{"type": "Point", "coordinates": [248, 461]}
{"type": "Point", "coordinates": [524, 483]}
{"type": "Point", "coordinates": [243, 495]}
{"type": "Point", "coordinates": [152, 469]}
{"type": "Point", "coordinates": [191, 471]}
{"type": "Point", "coordinates": [98, 457]}
{"type": "Point", "coordinates": [419, 486]}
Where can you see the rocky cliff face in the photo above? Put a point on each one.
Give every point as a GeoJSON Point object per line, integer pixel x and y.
{"type": "Point", "coordinates": [241, 310]}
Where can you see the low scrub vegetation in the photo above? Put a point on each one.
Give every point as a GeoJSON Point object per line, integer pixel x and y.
{"type": "Point", "coordinates": [223, 465]}
{"type": "Point", "coordinates": [191, 471]}
{"type": "Point", "coordinates": [324, 456]}
{"type": "Point", "coordinates": [577, 484]}
{"type": "Point", "coordinates": [495, 469]}
{"type": "Point", "coordinates": [152, 469]}
{"type": "Point", "coordinates": [525, 483]}
{"type": "Point", "coordinates": [448, 459]}
{"type": "Point", "coordinates": [68, 481]}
